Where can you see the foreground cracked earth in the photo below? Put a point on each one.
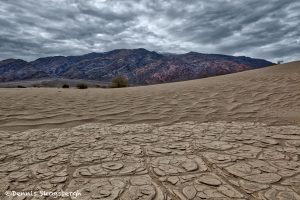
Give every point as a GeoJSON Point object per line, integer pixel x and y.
{"type": "Point", "coordinates": [129, 162]}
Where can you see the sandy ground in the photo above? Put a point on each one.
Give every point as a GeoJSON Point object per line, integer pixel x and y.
{"type": "Point", "coordinates": [270, 95]}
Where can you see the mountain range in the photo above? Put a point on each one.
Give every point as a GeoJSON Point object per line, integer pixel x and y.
{"type": "Point", "coordinates": [140, 66]}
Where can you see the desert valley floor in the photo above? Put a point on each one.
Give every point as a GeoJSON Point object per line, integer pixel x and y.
{"type": "Point", "coordinates": [229, 137]}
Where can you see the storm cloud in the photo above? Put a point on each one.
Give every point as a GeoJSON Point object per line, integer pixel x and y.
{"type": "Point", "coordinates": [268, 29]}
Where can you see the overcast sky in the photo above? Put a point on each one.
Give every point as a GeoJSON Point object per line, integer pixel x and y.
{"type": "Point", "coordinates": [267, 29]}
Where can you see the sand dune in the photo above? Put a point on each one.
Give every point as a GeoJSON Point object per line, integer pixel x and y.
{"type": "Point", "coordinates": [270, 95]}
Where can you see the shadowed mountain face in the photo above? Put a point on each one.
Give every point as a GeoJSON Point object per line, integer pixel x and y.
{"type": "Point", "coordinates": [140, 66]}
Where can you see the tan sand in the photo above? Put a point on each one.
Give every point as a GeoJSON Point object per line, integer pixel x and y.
{"type": "Point", "coordinates": [270, 95]}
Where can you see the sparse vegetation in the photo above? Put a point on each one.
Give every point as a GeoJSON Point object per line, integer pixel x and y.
{"type": "Point", "coordinates": [82, 86]}
{"type": "Point", "coordinates": [65, 86]}
{"type": "Point", "coordinates": [279, 62]}
{"type": "Point", "coordinates": [119, 81]}
{"type": "Point", "coordinates": [21, 86]}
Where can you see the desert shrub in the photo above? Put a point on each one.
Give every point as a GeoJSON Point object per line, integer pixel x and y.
{"type": "Point", "coordinates": [119, 81]}
{"type": "Point", "coordinates": [82, 86]}
{"type": "Point", "coordinates": [279, 62]}
{"type": "Point", "coordinates": [21, 86]}
{"type": "Point", "coordinates": [65, 86]}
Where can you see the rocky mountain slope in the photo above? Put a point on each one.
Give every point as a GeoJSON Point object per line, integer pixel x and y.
{"type": "Point", "coordinates": [140, 66]}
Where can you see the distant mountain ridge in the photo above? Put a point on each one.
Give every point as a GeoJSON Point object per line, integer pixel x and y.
{"type": "Point", "coordinates": [140, 66]}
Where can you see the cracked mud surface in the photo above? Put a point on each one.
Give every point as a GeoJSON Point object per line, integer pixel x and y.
{"type": "Point", "coordinates": [187, 160]}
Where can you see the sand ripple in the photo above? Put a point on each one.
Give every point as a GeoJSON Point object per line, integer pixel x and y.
{"type": "Point", "coordinates": [270, 95]}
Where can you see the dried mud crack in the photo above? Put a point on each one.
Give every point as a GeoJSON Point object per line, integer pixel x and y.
{"type": "Point", "coordinates": [188, 160]}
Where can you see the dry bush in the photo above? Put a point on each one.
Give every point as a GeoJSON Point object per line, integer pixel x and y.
{"type": "Point", "coordinates": [119, 81]}
{"type": "Point", "coordinates": [65, 86]}
{"type": "Point", "coordinates": [82, 86]}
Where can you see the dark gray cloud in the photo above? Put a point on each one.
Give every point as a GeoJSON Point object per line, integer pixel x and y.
{"type": "Point", "coordinates": [267, 29]}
